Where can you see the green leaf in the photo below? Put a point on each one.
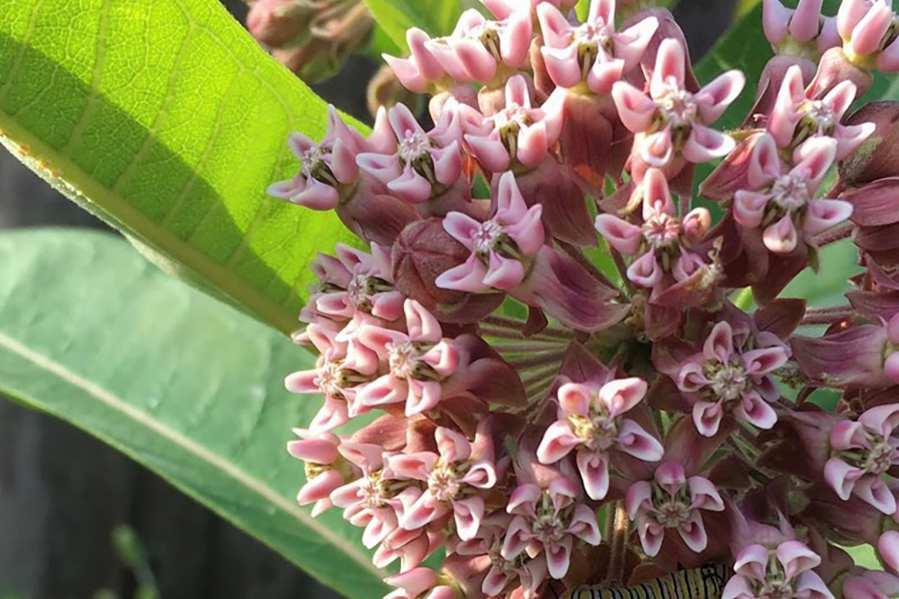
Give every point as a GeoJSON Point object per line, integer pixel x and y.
{"type": "Point", "coordinates": [168, 120]}
{"type": "Point", "coordinates": [436, 17]}
{"type": "Point", "coordinates": [181, 383]}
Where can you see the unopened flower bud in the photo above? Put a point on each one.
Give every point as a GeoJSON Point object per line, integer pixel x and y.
{"type": "Point", "coordinates": [276, 22]}
{"type": "Point", "coordinates": [423, 251]}
{"type": "Point", "coordinates": [385, 89]}
{"type": "Point", "coordinates": [835, 68]}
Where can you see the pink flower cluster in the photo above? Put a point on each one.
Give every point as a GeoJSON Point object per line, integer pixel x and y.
{"type": "Point", "coordinates": [551, 423]}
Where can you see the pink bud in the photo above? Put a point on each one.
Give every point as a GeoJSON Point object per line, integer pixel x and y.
{"type": "Point", "coordinates": [888, 549]}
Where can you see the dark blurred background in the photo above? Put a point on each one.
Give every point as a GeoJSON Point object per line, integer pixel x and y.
{"type": "Point", "coordinates": [63, 493]}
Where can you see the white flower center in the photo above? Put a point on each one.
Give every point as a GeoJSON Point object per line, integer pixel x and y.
{"type": "Point", "coordinates": [414, 145]}
{"type": "Point", "coordinates": [790, 193]}
{"type": "Point", "coordinates": [594, 33]}
{"type": "Point", "coordinates": [598, 431]}
{"type": "Point", "coordinates": [374, 490]}
{"type": "Point", "coordinates": [548, 526]}
{"type": "Point", "coordinates": [312, 160]}
{"type": "Point", "coordinates": [662, 230]}
{"type": "Point", "coordinates": [821, 115]}
{"type": "Point", "coordinates": [728, 381]}
{"type": "Point", "coordinates": [403, 359]}
{"type": "Point", "coordinates": [444, 483]}
{"type": "Point", "coordinates": [487, 237]}
{"type": "Point", "coordinates": [678, 107]}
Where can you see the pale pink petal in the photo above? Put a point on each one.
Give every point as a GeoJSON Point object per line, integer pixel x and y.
{"type": "Point", "coordinates": [410, 187]}
{"type": "Point", "coordinates": [876, 493]}
{"type": "Point", "coordinates": [756, 411]}
{"type": "Point", "coordinates": [635, 109]}
{"type": "Point", "coordinates": [715, 97]}
{"type": "Point", "coordinates": [775, 19]}
{"type": "Point", "coordinates": [383, 167]}
{"type": "Point", "coordinates": [467, 277]}
{"type": "Point", "coordinates": [562, 65]}
{"type": "Point", "coordinates": [621, 395]}
{"type": "Point", "coordinates": [553, 25]}
{"type": "Point", "coordinates": [841, 477]}
{"type": "Point", "coordinates": [796, 558]}
{"type": "Point", "coordinates": [693, 533]}
{"type": "Point", "coordinates": [823, 214]}
{"type": "Point", "coordinates": [468, 514]}
{"type": "Point", "coordinates": [639, 496]}
{"type": "Point", "coordinates": [749, 207]}
{"type": "Point", "coordinates": [781, 237]}
{"type": "Point", "coordinates": [766, 360]}
{"type": "Point", "coordinates": [705, 144]}
{"type": "Point", "coordinates": [594, 470]}
{"type": "Point", "coordinates": [620, 234]}
{"type": "Point", "coordinates": [528, 232]}
{"type": "Point", "coordinates": [719, 345]}
{"type": "Point", "coordinates": [558, 558]}
{"type": "Point", "coordinates": [645, 271]}
{"type": "Point", "coordinates": [515, 39]}
{"type": "Point", "coordinates": [752, 562]}
{"type": "Point", "coordinates": [584, 525]}
{"type": "Point", "coordinates": [516, 539]}
{"type": "Point", "coordinates": [669, 68]}
{"type": "Point", "coordinates": [603, 75]}
{"type": "Point", "coordinates": [415, 466]}
{"type": "Point", "coordinates": [634, 440]}
{"type": "Point", "coordinates": [503, 273]}
{"type": "Point", "coordinates": [574, 399]}
{"type": "Point", "coordinates": [558, 441]}
{"type": "Point", "coordinates": [631, 43]}
{"type": "Point", "coordinates": [707, 417]}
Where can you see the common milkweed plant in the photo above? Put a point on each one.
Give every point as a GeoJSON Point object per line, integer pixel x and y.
{"type": "Point", "coordinates": [594, 318]}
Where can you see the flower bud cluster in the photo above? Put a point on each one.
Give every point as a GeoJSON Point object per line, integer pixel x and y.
{"type": "Point", "coordinates": [550, 423]}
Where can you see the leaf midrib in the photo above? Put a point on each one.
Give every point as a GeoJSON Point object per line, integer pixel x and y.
{"type": "Point", "coordinates": [188, 445]}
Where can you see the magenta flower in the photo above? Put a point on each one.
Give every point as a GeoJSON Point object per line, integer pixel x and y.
{"type": "Point", "coordinates": [868, 31]}
{"type": "Point", "coordinates": [548, 517]}
{"type": "Point", "coordinates": [480, 50]}
{"type": "Point", "coordinates": [725, 378]}
{"type": "Point", "coordinates": [454, 478]}
{"type": "Point", "coordinates": [591, 421]}
{"type": "Point", "coordinates": [781, 201]}
{"type": "Point", "coordinates": [417, 361]}
{"type": "Point", "coordinates": [501, 247]}
{"type": "Point", "coordinates": [414, 165]}
{"type": "Point", "coordinates": [342, 366]}
{"type": "Point", "coordinates": [863, 452]}
{"type": "Point", "coordinates": [593, 52]}
{"type": "Point", "coordinates": [664, 243]}
{"type": "Point", "coordinates": [517, 133]}
{"type": "Point", "coordinates": [671, 121]}
{"type": "Point", "coordinates": [785, 570]}
{"type": "Point", "coordinates": [796, 117]}
{"type": "Point", "coordinates": [371, 500]}
{"type": "Point", "coordinates": [672, 502]}
{"type": "Point", "coordinates": [325, 470]}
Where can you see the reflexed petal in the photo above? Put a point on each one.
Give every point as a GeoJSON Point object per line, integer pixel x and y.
{"type": "Point", "coordinates": [558, 441]}
{"type": "Point", "coordinates": [749, 207]}
{"type": "Point", "coordinates": [756, 411]}
{"type": "Point", "coordinates": [621, 395]}
{"type": "Point", "coordinates": [634, 440]}
{"type": "Point", "coordinates": [841, 477]}
{"type": "Point", "coordinates": [824, 214]}
{"type": "Point", "coordinates": [468, 277]}
{"type": "Point", "coordinates": [707, 417]}
{"type": "Point", "coordinates": [558, 558]}
{"type": "Point", "coordinates": [669, 67]}
{"type": "Point", "coordinates": [715, 97]}
{"type": "Point", "coordinates": [693, 533]}
{"type": "Point", "coordinates": [705, 144]}
{"type": "Point", "coordinates": [620, 234]}
{"type": "Point", "coordinates": [635, 109]}
{"type": "Point", "coordinates": [594, 469]}
{"type": "Point", "coordinates": [781, 237]}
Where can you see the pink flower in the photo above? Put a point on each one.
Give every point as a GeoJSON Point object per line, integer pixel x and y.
{"type": "Point", "coordinates": [863, 452]}
{"type": "Point", "coordinates": [787, 28]}
{"type": "Point", "coordinates": [371, 501]}
{"type": "Point", "coordinates": [523, 573]}
{"type": "Point", "coordinates": [417, 361]}
{"type": "Point", "coordinates": [355, 285]}
{"type": "Point", "coordinates": [517, 133]}
{"type": "Point", "coordinates": [327, 169]}
{"type": "Point", "coordinates": [454, 478]}
{"type": "Point", "coordinates": [781, 201]}
{"type": "Point", "coordinates": [500, 247]}
{"type": "Point", "coordinates": [672, 502]}
{"type": "Point", "coordinates": [785, 570]}
{"type": "Point", "coordinates": [414, 165]}
{"type": "Point", "coordinates": [593, 52]}
{"type": "Point", "coordinates": [548, 517]}
{"type": "Point", "coordinates": [796, 116]}
{"type": "Point", "coordinates": [325, 470]}
{"type": "Point", "coordinates": [342, 366]}
{"type": "Point", "coordinates": [503, 8]}
{"type": "Point", "coordinates": [867, 29]}
{"type": "Point", "coordinates": [664, 242]}
{"type": "Point", "coordinates": [671, 121]}
{"type": "Point", "coordinates": [590, 421]}
{"type": "Point", "coordinates": [480, 50]}
{"type": "Point", "coordinates": [727, 378]}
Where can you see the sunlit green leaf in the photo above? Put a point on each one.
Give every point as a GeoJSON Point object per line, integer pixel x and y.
{"type": "Point", "coordinates": [165, 118]}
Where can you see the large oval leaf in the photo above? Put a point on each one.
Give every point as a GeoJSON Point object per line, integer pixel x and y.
{"type": "Point", "coordinates": [183, 384]}
{"type": "Point", "coordinates": [167, 119]}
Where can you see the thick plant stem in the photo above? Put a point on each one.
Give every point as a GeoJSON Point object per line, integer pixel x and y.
{"type": "Point", "coordinates": [619, 530]}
